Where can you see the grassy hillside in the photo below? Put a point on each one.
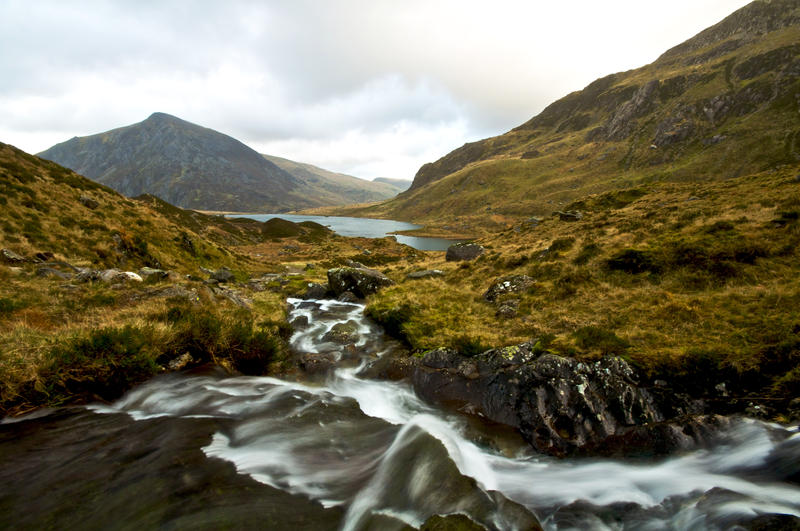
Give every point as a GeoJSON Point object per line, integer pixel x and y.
{"type": "Point", "coordinates": [325, 187]}
{"type": "Point", "coordinates": [721, 105]}
{"type": "Point", "coordinates": [695, 283]}
{"type": "Point", "coordinates": [68, 336]}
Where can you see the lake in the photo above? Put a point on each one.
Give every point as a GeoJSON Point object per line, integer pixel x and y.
{"type": "Point", "coordinates": [365, 228]}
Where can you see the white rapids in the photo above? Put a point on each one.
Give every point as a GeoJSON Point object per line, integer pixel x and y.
{"type": "Point", "coordinates": [389, 459]}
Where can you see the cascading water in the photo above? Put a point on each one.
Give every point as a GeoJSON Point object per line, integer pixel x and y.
{"type": "Point", "coordinates": [375, 456]}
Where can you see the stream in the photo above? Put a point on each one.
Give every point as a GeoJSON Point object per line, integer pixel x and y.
{"type": "Point", "coordinates": [205, 450]}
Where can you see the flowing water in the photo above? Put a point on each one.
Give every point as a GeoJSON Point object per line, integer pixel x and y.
{"type": "Point", "coordinates": [208, 450]}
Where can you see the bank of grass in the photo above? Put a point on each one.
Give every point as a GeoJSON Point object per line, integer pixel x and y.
{"type": "Point", "coordinates": [695, 284]}
{"type": "Point", "coordinates": [90, 342]}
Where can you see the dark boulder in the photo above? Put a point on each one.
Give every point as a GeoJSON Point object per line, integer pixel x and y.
{"type": "Point", "coordinates": [318, 363]}
{"type": "Point", "coordinates": [358, 280]}
{"type": "Point", "coordinates": [316, 291]}
{"type": "Point", "coordinates": [558, 404]}
{"type": "Point", "coordinates": [459, 252]}
{"type": "Point", "coordinates": [508, 284]}
{"type": "Point", "coordinates": [347, 296]}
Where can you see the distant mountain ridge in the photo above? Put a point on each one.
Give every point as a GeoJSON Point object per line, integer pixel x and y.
{"type": "Point", "coordinates": [196, 167]}
{"type": "Point", "coordinates": [402, 184]}
{"type": "Point", "coordinates": [722, 104]}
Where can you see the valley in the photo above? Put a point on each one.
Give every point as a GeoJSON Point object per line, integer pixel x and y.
{"type": "Point", "coordinates": [590, 321]}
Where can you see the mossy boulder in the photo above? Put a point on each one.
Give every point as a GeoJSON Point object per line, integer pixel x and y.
{"type": "Point", "coordinates": [459, 252]}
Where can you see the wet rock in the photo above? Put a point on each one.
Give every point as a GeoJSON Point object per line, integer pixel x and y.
{"type": "Point", "coordinates": [222, 274]}
{"type": "Point", "coordinates": [52, 272]}
{"type": "Point", "coordinates": [181, 362]}
{"type": "Point", "coordinates": [459, 252]}
{"type": "Point", "coordinates": [569, 215]}
{"type": "Point", "coordinates": [342, 333]}
{"type": "Point", "coordinates": [88, 202]}
{"type": "Point", "coordinates": [358, 280]}
{"type": "Point", "coordinates": [429, 273]}
{"type": "Point", "coordinates": [347, 296]}
{"type": "Point", "coordinates": [508, 284]}
{"type": "Point", "coordinates": [300, 322]}
{"type": "Point", "coordinates": [10, 257]}
{"type": "Point", "coordinates": [316, 291]}
{"type": "Point", "coordinates": [317, 362]}
{"type": "Point", "coordinates": [451, 522]}
{"type": "Point", "coordinates": [558, 404]}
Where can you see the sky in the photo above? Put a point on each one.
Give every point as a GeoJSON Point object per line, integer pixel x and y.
{"type": "Point", "coordinates": [372, 88]}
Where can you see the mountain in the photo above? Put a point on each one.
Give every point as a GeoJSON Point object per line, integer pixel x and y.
{"type": "Point", "coordinates": [722, 104]}
{"type": "Point", "coordinates": [331, 188]}
{"type": "Point", "coordinates": [195, 167]}
{"type": "Point", "coordinates": [401, 184]}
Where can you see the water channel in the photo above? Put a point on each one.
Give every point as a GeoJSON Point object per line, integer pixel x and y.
{"type": "Point", "coordinates": [207, 450]}
{"type": "Point", "coordinates": [364, 227]}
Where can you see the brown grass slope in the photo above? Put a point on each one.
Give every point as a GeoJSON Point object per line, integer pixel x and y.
{"type": "Point", "coordinates": [720, 105]}
{"type": "Point", "coordinates": [695, 283]}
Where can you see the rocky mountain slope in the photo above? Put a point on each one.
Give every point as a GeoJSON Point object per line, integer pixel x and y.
{"type": "Point", "coordinates": [199, 168]}
{"type": "Point", "coordinates": [724, 103]}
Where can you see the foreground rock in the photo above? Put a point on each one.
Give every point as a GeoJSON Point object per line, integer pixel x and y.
{"type": "Point", "coordinates": [561, 406]}
{"type": "Point", "coordinates": [360, 281]}
{"type": "Point", "coordinates": [459, 252]}
{"type": "Point", "coordinates": [506, 285]}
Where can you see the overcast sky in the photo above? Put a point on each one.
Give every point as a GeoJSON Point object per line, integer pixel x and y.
{"type": "Point", "coordinates": [366, 87]}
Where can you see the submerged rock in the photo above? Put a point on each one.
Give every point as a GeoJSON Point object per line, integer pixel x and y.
{"type": "Point", "coordinates": [358, 280]}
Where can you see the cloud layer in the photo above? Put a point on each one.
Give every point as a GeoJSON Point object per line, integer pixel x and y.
{"type": "Point", "coordinates": [371, 88]}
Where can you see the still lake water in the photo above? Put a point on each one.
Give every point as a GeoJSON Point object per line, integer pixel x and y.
{"type": "Point", "coordinates": [364, 227]}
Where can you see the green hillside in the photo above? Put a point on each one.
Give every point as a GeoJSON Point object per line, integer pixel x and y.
{"type": "Point", "coordinates": [721, 105]}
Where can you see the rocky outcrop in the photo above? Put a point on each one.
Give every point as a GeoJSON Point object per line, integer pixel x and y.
{"type": "Point", "coordinates": [360, 281]}
{"type": "Point", "coordinates": [560, 405]}
{"type": "Point", "coordinates": [506, 285]}
{"type": "Point", "coordinates": [342, 333]}
{"type": "Point", "coordinates": [459, 252]}
{"type": "Point", "coordinates": [429, 273]}
{"type": "Point", "coordinates": [10, 257]}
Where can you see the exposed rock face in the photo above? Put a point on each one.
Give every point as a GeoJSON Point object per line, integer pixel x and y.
{"type": "Point", "coordinates": [508, 284]}
{"type": "Point", "coordinates": [358, 280]}
{"type": "Point", "coordinates": [463, 251]}
{"type": "Point", "coordinates": [559, 405]}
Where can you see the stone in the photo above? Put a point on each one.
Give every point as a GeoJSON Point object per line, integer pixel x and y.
{"type": "Point", "coordinates": [222, 274]}
{"type": "Point", "coordinates": [316, 291]}
{"type": "Point", "coordinates": [181, 362]}
{"type": "Point", "coordinates": [569, 215]}
{"type": "Point", "coordinates": [10, 257]}
{"type": "Point", "coordinates": [150, 273]}
{"type": "Point", "coordinates": [112, 276]}
{"type": "Point", "coordinates": [429, 273]}
{"type": "Point", "coordinates": [358, 280]}
{"type": "Point", "coordinates": [87, 275]}
{"type": "Point", "coordinates": [88, 202]}
{"type": "Point", "coordinates": [317, 362]}
{"type": "Point", "coordinates": [342, 333]}
{"type": "Point", "coordinates": [300, 322]}
{"type": "Point", "coordinates": [508, 284]}
{"type": "Point", "coordinates": [508, 309]}
{"type": "Point", "coordinates": [44, 256]}
{"type": "Point", "coordinates": [459, 252]}
{"type": "Point", "coordinates": [347, 296]}
{"type": "Point", "coordinates": [559, 405]}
